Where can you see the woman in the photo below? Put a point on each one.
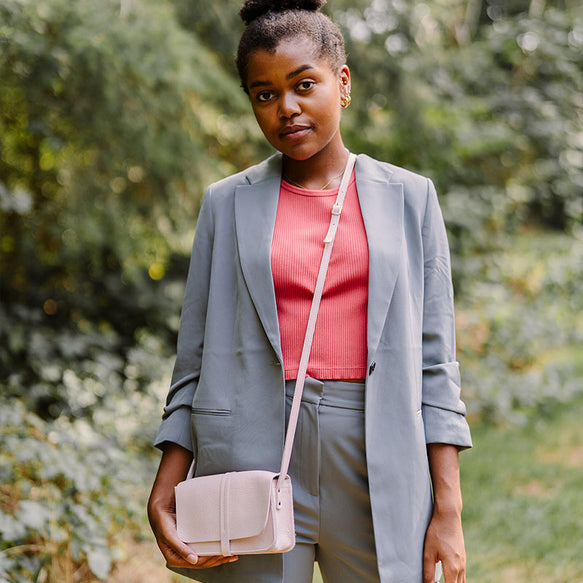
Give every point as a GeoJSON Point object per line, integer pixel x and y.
{"type": "Point", "coordinates": [375, 461]}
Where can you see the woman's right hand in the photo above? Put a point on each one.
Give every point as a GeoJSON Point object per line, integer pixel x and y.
{"type": "Point", "coordinates": [162, 513]}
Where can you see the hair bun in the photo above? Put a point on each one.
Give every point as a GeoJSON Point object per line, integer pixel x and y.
{"type": "Point", "coordinates": [253, 9]}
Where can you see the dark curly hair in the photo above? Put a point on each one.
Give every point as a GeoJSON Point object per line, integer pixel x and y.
{"type": "Point", "coordinates": [270, 21]}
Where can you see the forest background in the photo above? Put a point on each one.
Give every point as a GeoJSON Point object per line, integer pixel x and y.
{"type": "Point", "coordinates": [115, 115]}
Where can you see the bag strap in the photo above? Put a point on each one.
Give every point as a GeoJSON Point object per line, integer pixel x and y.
{"type": "Point", "coordinates": [310, 328]}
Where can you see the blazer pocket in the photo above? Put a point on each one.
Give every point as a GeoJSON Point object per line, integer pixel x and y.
{"type": "Point", "coordinates": [208, 411]}
{"type": "Point", "coordinates": [212, 431]}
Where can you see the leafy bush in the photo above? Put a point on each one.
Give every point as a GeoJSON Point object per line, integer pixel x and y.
{"type": "Point", "coordinates": [483, 96]}
{"type": "Point", "coordinates": [110, 127]}
{"type": "Point", "coordinates": [75, 443]}
{"type": "Point", "coordinates": [113, 121]}
{"type": "Point", "coordinates": [521, 327]}
{"type": "Point", "coordinates": [61, 496]}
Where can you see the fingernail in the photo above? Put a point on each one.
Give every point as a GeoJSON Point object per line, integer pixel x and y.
{"type": "Point", "coordinates": [233, 559]}
{"type": "Point", "coordinates": [192, 559]}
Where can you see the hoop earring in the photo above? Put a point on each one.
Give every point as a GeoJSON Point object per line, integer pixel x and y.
{"type": "Point", "coordinates": [345, 101]}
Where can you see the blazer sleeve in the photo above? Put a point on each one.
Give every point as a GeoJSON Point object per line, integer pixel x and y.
{"type": "Point", "coordinates": [443, 410]}
{"type": "Point", "coordinates": [175, 425]}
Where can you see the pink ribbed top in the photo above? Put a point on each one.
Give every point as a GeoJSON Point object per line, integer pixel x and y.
{"type": "Point", "coordinates": [339, 348]}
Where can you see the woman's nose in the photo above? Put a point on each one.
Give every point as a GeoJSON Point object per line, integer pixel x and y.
{"type": "Point", "coordinates": [288, 105]}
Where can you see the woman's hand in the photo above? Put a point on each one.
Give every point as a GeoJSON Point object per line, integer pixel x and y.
{"type": "Point", "coordinates": [162, 513]}
{"type": "Point", "coordinates": [444, 540]}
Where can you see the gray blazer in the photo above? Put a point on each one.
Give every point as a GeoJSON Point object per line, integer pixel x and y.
{"type": "Point", "coordinates": [226, 402]}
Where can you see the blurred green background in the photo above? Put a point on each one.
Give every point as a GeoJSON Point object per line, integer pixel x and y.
{"type": "Point", "coordinates": [115, 115]}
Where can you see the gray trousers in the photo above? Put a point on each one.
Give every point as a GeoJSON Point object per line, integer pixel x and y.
{"type": "Point", "coordinates": [330, 485]}
{"type": "Point", "coordinates": [331, 497]}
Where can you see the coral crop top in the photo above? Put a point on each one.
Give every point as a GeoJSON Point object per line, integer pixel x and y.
{"type": "Point", "coordinates": [339, 348]}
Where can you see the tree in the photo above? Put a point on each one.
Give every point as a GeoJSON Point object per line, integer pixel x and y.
{"type": "Point", "coordinates": [110, 126]}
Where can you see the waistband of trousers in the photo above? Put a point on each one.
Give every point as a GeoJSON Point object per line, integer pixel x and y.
{"type": "Point", "coordinates": [330, 393]}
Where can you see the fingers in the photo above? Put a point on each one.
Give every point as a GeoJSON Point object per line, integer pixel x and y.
{"type": "Point", "coordinates": [429, 561]}
{"type": "Point", "coordinates": [444, 542]}
{"type": "Point", "coordinates": [453, 566]}
{"type": "Point", "coordinates": [451, 573]}
{"type": "Point", "coordinates": [177, 557]}
{"type": "Point", "coordinates": [176, 552]}
{"type": "Point", "coordinates": [454, 572]}
{"type": "Point", "coordinates": [214, 561]}
{"type": "Point", "coordinates": [430, 554]}
{"type": "Point", "coordinates": [197, 562]}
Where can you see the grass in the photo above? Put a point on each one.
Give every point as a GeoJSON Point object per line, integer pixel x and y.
{"type": "Point", "coordinates": [523, 503]}
{"type": "Point", "coordinates": [523, 506]}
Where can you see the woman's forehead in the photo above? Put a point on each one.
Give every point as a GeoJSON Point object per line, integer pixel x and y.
{"type": "Point", "coordinates": [290, 57]}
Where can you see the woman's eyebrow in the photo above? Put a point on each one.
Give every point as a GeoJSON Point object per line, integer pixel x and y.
{"type": "Point", "coordinates": [298, 71]}
{"type": "Point", "coordinates": [260, 83]}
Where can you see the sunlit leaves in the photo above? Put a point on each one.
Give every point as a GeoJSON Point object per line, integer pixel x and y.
{"type": "Point", "coordinates": [114, 116]}
{"type": "Point", "coordinates": [110, 127]}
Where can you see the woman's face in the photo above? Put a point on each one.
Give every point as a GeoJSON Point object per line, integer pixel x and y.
{"type": "Point", "coordinates": [296, 97]}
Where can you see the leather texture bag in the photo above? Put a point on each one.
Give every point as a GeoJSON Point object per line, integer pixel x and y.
{"type": "Point", "coordinates": [236, 513]}
{"type": "Point", "coordinates": [251, 512]}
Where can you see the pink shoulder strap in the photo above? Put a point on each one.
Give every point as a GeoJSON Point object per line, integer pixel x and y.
{"type": "Point", "coordinates": [303, 366]}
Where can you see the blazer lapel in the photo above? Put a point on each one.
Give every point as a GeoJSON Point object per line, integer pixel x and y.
{"type": "Point", "coordinates": [255, 211]}
{"type": "Point", "coordinates": [382, 207]}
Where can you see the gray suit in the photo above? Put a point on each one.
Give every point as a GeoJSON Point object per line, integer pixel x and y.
{"type": "Point", "coordinates": [226, 401]}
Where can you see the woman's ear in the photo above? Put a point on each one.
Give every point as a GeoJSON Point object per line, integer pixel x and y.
{"type": "Point", "coordinates": [344, 76]}
{"type": "Point", "coordinates": [345, 86]}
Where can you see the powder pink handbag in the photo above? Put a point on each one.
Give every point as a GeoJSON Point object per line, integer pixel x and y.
{"type": "Point", "coordinates": [251, 512]}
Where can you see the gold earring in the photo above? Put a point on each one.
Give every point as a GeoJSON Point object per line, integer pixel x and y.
{"type": "Point", "coordinates": [345, 101]}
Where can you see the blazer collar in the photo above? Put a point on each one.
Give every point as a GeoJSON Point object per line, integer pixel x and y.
{"type": "Point", "coordinates": [381, 203]}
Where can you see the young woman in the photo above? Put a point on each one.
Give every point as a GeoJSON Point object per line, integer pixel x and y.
{"type": "Point", "coordinates": [375, 461]}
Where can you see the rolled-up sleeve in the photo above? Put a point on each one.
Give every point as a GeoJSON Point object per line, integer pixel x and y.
{"type": "Point", "coordinates": [442, 408]}
{"type": "Point", "coordinates": [175, 425]}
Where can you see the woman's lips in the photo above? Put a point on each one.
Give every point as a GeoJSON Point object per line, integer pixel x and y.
{"type": "Point", "coordinates": [294, 133]}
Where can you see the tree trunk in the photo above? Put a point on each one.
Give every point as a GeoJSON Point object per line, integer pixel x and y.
{"type": "Point", "coordinates": [468, 29]}
{"type": "Point", "coordinates": [536, 9]}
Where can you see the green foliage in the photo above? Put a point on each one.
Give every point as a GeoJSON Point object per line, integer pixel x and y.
{"type": "Point", "coordinates": [66, 490]}
{"type": "Point", "coordinates": [85, 372]}
{"type": "Point", "coordinates": [71, 469]}
{"type": "Point", "coordinates": [110, 126]}
{"type": "Point", "coordinates": [498, 113]}
{"type": "Point", "coordinates": [521, 328]}
{"type": "Point", "coordinates": [115, 115]}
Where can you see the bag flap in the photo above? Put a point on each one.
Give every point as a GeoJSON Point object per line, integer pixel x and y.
{"type": "Point", "coordinates": [198, 512]}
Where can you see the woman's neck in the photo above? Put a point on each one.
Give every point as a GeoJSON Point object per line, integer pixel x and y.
{"type": "Point", "coordinates": [321, 171]}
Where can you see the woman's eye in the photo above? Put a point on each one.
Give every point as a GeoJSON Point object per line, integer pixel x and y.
{"type": "Point", "coordinates": [264, 96]}
{"type": "Point", "coordinates": [305, 85]}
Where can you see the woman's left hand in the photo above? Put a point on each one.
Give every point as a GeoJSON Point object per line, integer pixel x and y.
{"type": "Point", "coordinates": [444, 542]}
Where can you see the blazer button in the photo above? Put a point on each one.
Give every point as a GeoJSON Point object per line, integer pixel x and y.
{"type": "Point", "coordinates": [371, 368]}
